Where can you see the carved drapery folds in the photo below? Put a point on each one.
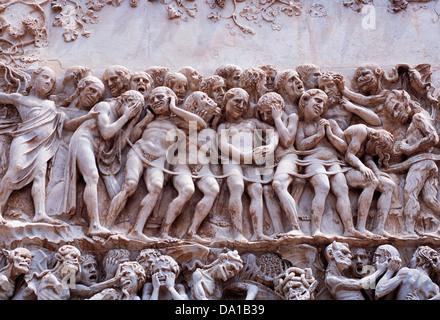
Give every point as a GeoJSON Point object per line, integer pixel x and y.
{"type": "Point", "coordinates": [249, 183]}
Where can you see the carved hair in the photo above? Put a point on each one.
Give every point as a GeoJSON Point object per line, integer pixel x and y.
{"type": "Point", "coordinates": [158, 74]}
{"type": "Point", "coordinates": [174, 266]}
{"type": "Point", "coordinates": [251, 78]}
{"type": "Point", "coordinates": [388, 250]}
{"type": "Point", "coordinates": [232, 93]}
{"type": "Point", "coordinates": [424, 256]}
{"type": "Point", "coordinates": [87, 257]}
{"type": "Point", "coordinates": [138, 270]}
{"type": "Point", "coordinates": [82, 84]}
{"type": "Point", "coordinates": [271, 99]}
{"type": "Point", "coordinates": [192, 102]}
{"type": "Point", "coordinates": [172, 77]}
{"type": "Point", "coordinates": [269, 67]}
{"type": "Point", "coordinates": [281, 78]}
{"type": "Point", "coordinates": [207, 83]}
{"type": "Point", "coordinates": [306, 97]}
{"type": "Point", "coordinates": [227, 70]}
{"type": "Point", "coordinates": [37, 72]}
{"type": "Point", "coordinates": [381, 143]}
{"type": "Point", "coordinates": [304, 70]}
{"type": "Point", "coordinates": [115, 255]}
{"type": "Point", "coordinates": [122, 72]}
{"type": "Point", "coordinates": [65, 250]}
{"type": "Point", "coordinates": [75, 74]}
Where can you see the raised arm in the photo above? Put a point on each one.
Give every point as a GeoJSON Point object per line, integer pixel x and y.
{"type": "Point", "coordinates": [368, 115]}
{"type": "Point", "coordinates": [186, 115]}
{"type": "Point", "coordinates": [107, 128]}
{"type": "Point", "coordinates": [366, 101]}
{"type": "Point", "coordinates": [287, 133]}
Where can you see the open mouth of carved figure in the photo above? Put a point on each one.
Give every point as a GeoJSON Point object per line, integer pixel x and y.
{"type": "Point", "coordinates": [93, 277]}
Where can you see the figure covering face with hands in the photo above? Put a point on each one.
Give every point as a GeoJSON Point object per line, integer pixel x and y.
{"type": "Point", "coordinates": [315, 135]}
{"type": "Point", "coordinates": [86, 146]}
{"type": "Point", "coordinates": [148, 158]}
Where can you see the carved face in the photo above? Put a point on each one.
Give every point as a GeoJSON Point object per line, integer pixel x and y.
{"type": "Point", "coordinates": [232, 81]}
{"type": "Point", "coordinates": [312, 78]}
{"type": "Point", "coordinates": [367, 81]}
{"type": "Point", "coordinates": [163, 270]}
{"type": "Point", "coordinates": [270, 80]}
{"type": "Point", "coordinates": [194, 79]}
{"type": "Point", "coordinates": [227, 269]}
{"type": "Point", "coordinates": [398, 108]}
{"type": "Point", "coordinates": [141, 82]}
{"type": "Point", "coordinates": [329, 87]}
{"type": "Point", "coordinates": [236, 106]}
{"type": "Point", "coordinates": [70, 260]}
{"type": "Point", "coordinates": [89, 272]}
{"type": "Point", "coordinates": [90, 95]}
{"type": "Point", "coordinates": [129, 279]}
{"type": "Point", "coordinates": [208, 105]}
{"type": "Point", "coordinates": [314, 107]}
{"type": "Point", "coordinates": [22, 261]}
{"type": "Point", "coordinates": [147, 260]}
{"type": "Point", "coordinates": [218, 91]}
{"type": "Point", "coordinates": [114, 83]}
{"type": "Point", "coordinates": [180, 87]}
{"type": "Point", "coordinates": [342, 256]}
{"type": "Point", "coordinates": [159, 101]}
{"type": "Point", "coordinates": [380, 257]}
{"type": "Point", "coordinates": [44, 82]}
{"type": "Point", "coordinates": [359, 261]}
{"type": "Point", "coordinates": [265, 112]}
{"type": "Point", "coordinates": [293, 86]}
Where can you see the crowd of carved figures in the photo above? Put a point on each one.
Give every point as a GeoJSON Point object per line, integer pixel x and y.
{"type": "Point", "coordinates": [262, 134]}
{"type": "Point", "coordinates": [151, 274]}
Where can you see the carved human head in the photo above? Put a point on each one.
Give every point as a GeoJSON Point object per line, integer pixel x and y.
{"type": "Point", "coordinates": [227, 265]}
{"type": "Point", "coordinates": [158, 74]}
{"type": "Point", "coordinates": [117, 79]}
{"type": "Point", "coordinates": [360, 260]}
{"type": "Point", "coordinates": [339, 254]}
{"type": "Point", "coordinates": [271, 73]}
{"type": "Point", "coordinates": [164, 267]}
{"type": "Point", "coordinates": [90, 90]}
{"type": "Point", "coordinates": [265, 105]}
{"type": "Point", "coordinates": [112, 260]}
{"type": "Point", "coordinates": [384, 254]}
{"type": "Point", "coordinates": [425, 257]}
{"type": "Point", "coordinates": [328, 82]}
{"type": "Point", "coordinates": [215, 87]}
{"type": "Point", "coordinates": [130, 99]}
{"type": "Point", "coordinates": [313, 104]}
{"type": "Point", "coordinates": [399, 106]}
{"type": "Point", "coordinates": [289, 85]}
{"type": "Point", "coordinates": [193, 77]}
{"type": "Point", "coordinates": [198, 102]}
{"type": "Point", "coordinates": [68, 258]}
{"type": "Point", "coordinates": [178, 83]}
{"type": "Point", "coordinates": [146, 258]}
{"type": "Point", "coordinates": [89, 269]}
{"type": "Point", "coordinates": [235, 103]}
{"type": "Point", "coordinates": [367, 78]}
{"type": "Point", "coordinates": [253, 80]}
{"type": "Point", "coordinates": [380, 143]}
{"type": "Point", "coordinates": [43, 81]}
{"type": "Point", "coordinates": [160, 98]}
{"type": "Point", "coordinates": [19, 260]}
{"type": "Point", "coordinates": [132, 276]}
{"type": "Point", "coordinates": [309, 73]}
{"type": "Point", "coordinates": [231, 73]}
{"type": "Point", "coordinates": [142, 82]}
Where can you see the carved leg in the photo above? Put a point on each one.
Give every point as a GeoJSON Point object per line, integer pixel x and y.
{"type": "Point", "coordinates": [210, 189]}
{"type": "Point", "coordinates": [185, 188]}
